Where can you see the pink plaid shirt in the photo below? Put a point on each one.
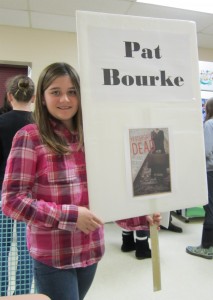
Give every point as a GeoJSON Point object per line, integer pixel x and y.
{"type": "Point", "coordinates": [136, 223]}
{"type": "Point", "coordinates": [44, 190]}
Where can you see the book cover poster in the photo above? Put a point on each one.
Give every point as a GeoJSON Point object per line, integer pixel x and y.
{"type": "Point", "coordinates": [150, 161]}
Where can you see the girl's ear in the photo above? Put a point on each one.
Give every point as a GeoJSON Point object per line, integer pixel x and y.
{"type": "Point", "coordinates": [43, 101]}
{"type": "Point", "coordinates": [33, 99]}
{"type": "Point", "coordinates": [9, 97]}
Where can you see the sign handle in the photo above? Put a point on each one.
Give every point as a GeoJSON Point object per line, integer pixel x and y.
{"type": "Point", "coordinates": [155, 258]}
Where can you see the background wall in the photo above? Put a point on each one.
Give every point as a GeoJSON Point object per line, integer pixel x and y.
{"type": "Point", "coordinates": [205, 54]}
{"type": "Point", "coordinates": [42, 47]}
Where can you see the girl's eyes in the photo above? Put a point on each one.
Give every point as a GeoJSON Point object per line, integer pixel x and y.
{"type": "Point", "coordinates": [70, 93]}
{"type": "Point", "coordinates": [55, 93]}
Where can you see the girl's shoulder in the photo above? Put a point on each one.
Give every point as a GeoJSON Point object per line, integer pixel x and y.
{"type": "Point", "coordinates": [28, 137]}
{"type": "Point", "coordinates": [29, 131]}
{"type": "Point", "coordinates": [30, 128]}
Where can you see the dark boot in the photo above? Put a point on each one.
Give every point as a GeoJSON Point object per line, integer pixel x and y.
{"type": "Point", "coordinates": [142, 249]}
{"type": "Point", "coordinates": [128, 241]}
{"type": "Point", "coordinates": [172, 227]}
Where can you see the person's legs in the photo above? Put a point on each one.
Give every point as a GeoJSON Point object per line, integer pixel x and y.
{"type": "Point", "coordinates": [6, 235]}
{"type": "Point", "coordinates": [207, 235]}
{"type": "Point", "coordinates": [63, 284]}
{"type": "Point", "coordinates": [205, 250]}
{"type": "Point", "coordinates": [55, 283]}
{"type": "Point", "coordinates": [85, 279]}
{"type": "Point", "coordinates": [24, 272]}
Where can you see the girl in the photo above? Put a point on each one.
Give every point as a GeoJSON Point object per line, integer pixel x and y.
{"type": "Point", "coordinates": [45, 186]}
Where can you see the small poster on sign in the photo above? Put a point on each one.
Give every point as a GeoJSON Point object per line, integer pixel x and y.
{"type": "Point", "coordinates": [150, 161]}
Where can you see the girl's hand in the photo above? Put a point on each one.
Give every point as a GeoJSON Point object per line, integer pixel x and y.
{"type": "Point", "coordinates": [87, 221]}
{"type": "Point", "coordinates": [154, 219]}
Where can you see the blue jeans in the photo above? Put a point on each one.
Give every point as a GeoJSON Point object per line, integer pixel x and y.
{"type": "Point", "coordinates": [24, 270]}
{"type": "Point", "coordinates": [63, 284]}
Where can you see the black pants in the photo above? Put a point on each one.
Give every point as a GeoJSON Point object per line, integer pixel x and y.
{"type": "Point", "coordinates": [208, 221]}
{"type": "Point", "coordinates": [207, 236]}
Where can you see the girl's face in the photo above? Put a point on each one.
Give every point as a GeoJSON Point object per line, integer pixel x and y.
{"type": "Point", "coordinates": [61, 100]}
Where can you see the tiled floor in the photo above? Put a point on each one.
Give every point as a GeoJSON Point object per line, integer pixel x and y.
{"type": "Point", "coordinates": [122, 276]}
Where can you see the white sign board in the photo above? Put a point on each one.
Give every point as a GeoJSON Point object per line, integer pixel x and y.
{"type": "Point", "coordinates": [139, 86]}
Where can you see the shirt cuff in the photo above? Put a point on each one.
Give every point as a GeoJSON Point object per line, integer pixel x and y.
{"type": "Point", "coordinates": [69, 216]}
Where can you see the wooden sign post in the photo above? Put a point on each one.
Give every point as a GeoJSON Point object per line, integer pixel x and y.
{"type": "Point", "coordinates": [155, 258]}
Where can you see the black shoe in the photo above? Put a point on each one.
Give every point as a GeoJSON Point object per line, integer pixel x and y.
{"type": "Point", "coordinates": [173, 228]}
{"type": "Point", "coordinates": [142, 249]}
{"type": "Point", "coordinates": [143, 254]}
{"type": "Point", "coordinates": [128, 248]}
{"type": "Point", "coordinates": [128, 242]}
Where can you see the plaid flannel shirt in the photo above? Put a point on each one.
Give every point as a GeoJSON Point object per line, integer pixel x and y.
{"type": "Point", "coordinates": [44, 190]}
